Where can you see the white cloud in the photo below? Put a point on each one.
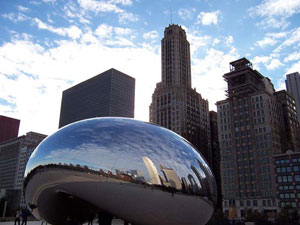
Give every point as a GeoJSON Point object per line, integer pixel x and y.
{"type": "Point", "coordinates": [292, 39]}
{"type": "Point", "coordinates": [122, 31]}
{"type": "Point", "coordinates": [104, 31]}
{"type": "Point", "coordinates": [269, 8]}
{"type": "Point", "coordinates": [229, 40]}
{"type": "Point", "coordinates": [209, 18]}
{"type": "Point", "coordinates": [277, 35]}
{"type": "Point", "coordinates": [64, 65]}
{"type": "Point", "coordinates": [275, 12]}
{"type": "Point", "coordinates": [197, 41]}
{"type": "Point", "coordinates": [260, 60]}
{"type": "Point", "coordinates": [99, 6]}
{"type": "Point", "coordinates": [122, 2]}
{"type": "Point", "coordinates": [216, 41]}
{"type": "Point", "coordinates": [15, 17]}
{"type": "Point", "coordinates": [151, 35]}
{"type": "Point", "coordinates": [113, 35]}
{"type": "Point", "coordinates": [49, 19]}
{"type": "Point", "coordinates": [274, 64]}
{"type": "Point", "coordinates": [273, 23]}
{"type": "Point", "coordinates": [292, 57]}
{"type": "Point", "coordinates": [119, 41]}
{"type": "Point", "coordinates": [71, 11]}
{"type": "Point", "coordinates": [22, 8]}
{"type": "Point", "coordinates": [271, 39]}
{"type": "Point", "coordinates": [270, 62]}
{"type": "Point", "coordinates": [186, 14]}
{"type": "Point", "coordinates": [73, 31]}
{"type": "Point", "coordinates": [51, 1]}
{"type": "Point", "coordinates": [266, 41]}
{"type": "Point", "coordinates": [125, 17]}
{"type": "Point", "coordinates": [293, 68]}
{"type": "Point", "coordinates": [207, 74]}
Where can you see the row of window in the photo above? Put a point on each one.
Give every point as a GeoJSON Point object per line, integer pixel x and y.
{"type": "Point", "coordinates": [286, 187]}
{"type": "Point", "coordinates": [282, 161]}
{"type": "Point", "coordinates": [282, 179]}
{"type": "Point", "coordinates": [288, 195]}
{"type": "Point", "coordinates": [287, 169]}
{"type": "Point", "coordinates": [293, 204]}
{"type": "Point", "coordinates": [287, 161]}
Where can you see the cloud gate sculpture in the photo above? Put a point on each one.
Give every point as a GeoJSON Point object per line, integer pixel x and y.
{"type": "Point", "coordinates": [135, 171]}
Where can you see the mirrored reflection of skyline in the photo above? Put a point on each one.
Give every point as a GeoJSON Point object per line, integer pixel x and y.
{"type": "Point", "coordinates": [127, 150]}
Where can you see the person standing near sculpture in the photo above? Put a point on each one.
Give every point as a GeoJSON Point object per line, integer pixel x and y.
{"type": "Point", "coordinates": [24, 217]}
{"type": "Point", "coordinates": [17, 218]}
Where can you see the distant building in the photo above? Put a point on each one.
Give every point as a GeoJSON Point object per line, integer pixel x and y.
{"type": "Point", "coordinates": [293, 87]}
{"type": "Point", "coordinates": [250, 124]}
{"type": "Point", "coordinates": [171, 178]}
{"type": "Point", "coordinates": [215, 152]}
{"type": "Point", "coordinates": [153, 173]}
{"type": "Point", "coordinates": [175, 105]}
{"type": "Point", "coordinates": [14, 155]}
{"type": "Point", "coordinates": [9, 128]}
{"type": "Point", "coordinates": [110, 93]}
{"type": "Point", "coordinates": [287, 172]}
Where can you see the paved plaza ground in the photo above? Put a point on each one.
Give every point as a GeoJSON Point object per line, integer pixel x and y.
{"type": "Point", "coordinates": [115, 222]}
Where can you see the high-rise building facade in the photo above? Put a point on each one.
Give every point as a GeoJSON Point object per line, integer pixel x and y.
{"type": "Point", "coordinates": [287, 171]}
{"type": "Point", "coordinates": [110, 93]}
{"type": "Point", "coordinates": [14, 155]}
{"type": "Point", "coordinates": [290, 137]}
{"type": "Point", "coordinates": [215, 152]}
{"type": "Point", "coordinates": [9, 128]}
{"type": "Point", "coordinates": [292, 83]}
{"type": "Point", "coordinates": [175, 105]}
{"type": "Point", "coordinates": [250, 123]}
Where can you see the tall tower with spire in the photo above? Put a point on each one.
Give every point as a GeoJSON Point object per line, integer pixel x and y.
{"type": "Point", "coordinates": [175, 105]}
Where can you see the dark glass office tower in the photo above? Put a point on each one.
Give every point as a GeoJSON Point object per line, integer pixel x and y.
{"type": "Point", "coordinates": [110, 93]}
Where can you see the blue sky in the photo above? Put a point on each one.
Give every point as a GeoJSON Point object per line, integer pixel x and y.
{"type": "Point", "coordinates": [47, 46]}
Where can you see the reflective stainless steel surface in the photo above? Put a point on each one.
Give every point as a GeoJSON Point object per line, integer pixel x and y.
{"type": "Point", "coordinates": [139, 172]}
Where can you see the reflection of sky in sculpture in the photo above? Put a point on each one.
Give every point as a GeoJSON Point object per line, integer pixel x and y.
{"type": "Point", "coordinates": [118, 144]}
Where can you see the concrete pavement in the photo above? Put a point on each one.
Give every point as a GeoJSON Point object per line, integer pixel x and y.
{"type": "Point", "coordinates": [115, 222]}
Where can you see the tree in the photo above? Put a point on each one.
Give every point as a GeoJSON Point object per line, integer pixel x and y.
{"type": "Point", "coordinates": [287, 216]}
{"type": "Point", "coordinates": [218, 218]}
{"type": "Point", "coordinates": [257, 217]}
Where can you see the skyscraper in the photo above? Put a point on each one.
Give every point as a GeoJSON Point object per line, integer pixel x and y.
{"type": "Point", "coordinates": [110, 93]}
{"type": "Point", "coordinates": [9, 128]}
{"type": "Point", "coordinates": [14, 155]}
{"type": "Point", "coordinates": [250, 123]}
{"type": "Point", "coordinates": [290, 136]}
{"type": "Point", "coordinates": [175, 105]}
{"type": "Point", "coordinates": [215, 152]}
{"type": "Point", "coordinates": [292, 83]}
